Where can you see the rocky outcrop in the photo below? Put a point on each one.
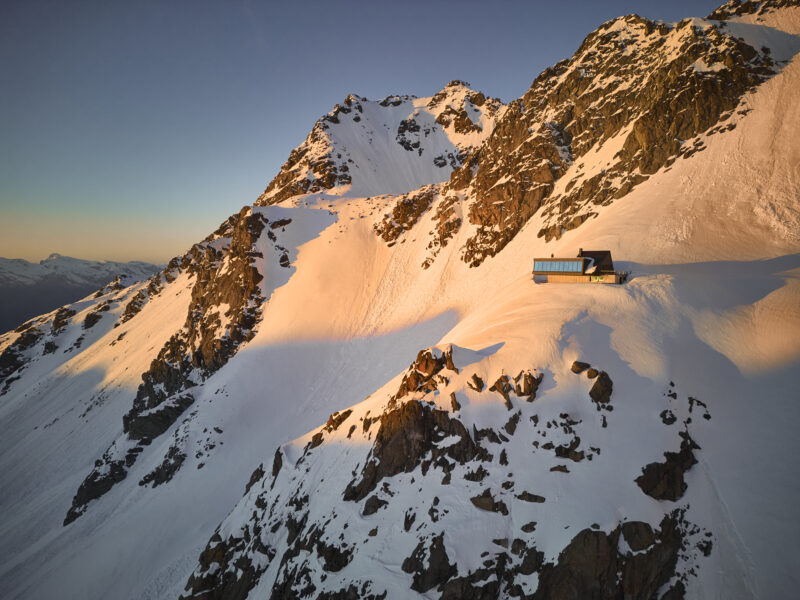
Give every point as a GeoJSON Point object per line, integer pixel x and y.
{"type": "Point", "coordinates": [601, 389]}
{"type": "Point", "coordinates": [664, 481]}
{"type": "Point", "coordinates": [152, 423]}
{"type": "Point", "coordinates": [404, 214]}
{"type": "Point", "coordinates": [419, 468]}
{"type": "Point", "coordinates": [429, 565]}
{"type": "Point", "coordinates": [14, 357]}
{"type": "Point", "coordinates": [486, 501]}
{"type": "Point", "coordinates": [592, 566]}
{"type": "Point", "coordinates": [407, 439]}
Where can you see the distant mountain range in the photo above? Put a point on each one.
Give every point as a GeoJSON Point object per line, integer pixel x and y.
{"type": "Point", "coordinates": [28, 289]}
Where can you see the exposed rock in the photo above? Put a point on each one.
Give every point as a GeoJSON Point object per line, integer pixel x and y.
{"type": "Point", "coordinates": [166, 470]}
{"type": "Point", "coordinates": [487, 502]}
{"type": "Point", "coordinates": [579, 367]}
{"type": "Point", "coordinates": [154, 422]}
{"type": "Point", "coordinates": [373, 504]}
{"type": "Point", "coordinates": [735, 8]}
{"type": "Point", "coordinates": [61, 319]}
{"type": "Point", "coordinates": [337, 419]}
{"type": "Point", "coordinates": [592, 567]}
{"type": "Point", "coordinates": [570, 451]}
{"type": "Point", "coordinates": [406, 435]}
{"type": "Point", "coordinates": [255, 477]}
{"type": "Point", "coordinates": [476, 383]}
{"type": "Point", "coordinates": [95, 315]}
{"type": "Point", "coordinates": [668, 417]}
{"type": "Point", "coordinates": [405, 213]}
{"type": "Point", "coordinates": [602, 388]}
{"type": "Point", "coordinates": [632, 79]}
{"type": "Point", "coordinates": [13, 358]}
{"type": "Point", "coordinates": [638, 534]}
{"type": "Point", "coordinates": [664, 481]}
{"type": "Point", "coordinates": [222, 277]}
{"type": "Point", "coordinates": [421, 376]}
{"type": "Point", "coordinates": [94, 486]}
{"type": "Point", "coordinates": [437, 570]}
{"type": "Point", "coordinates": [529, 527]}
{"type": "Point", "coordinates": [528, 497]}
{"type": "Point", "coordinates": [503, 386]}
{"type": "Point", "coordinates": [526, 384]}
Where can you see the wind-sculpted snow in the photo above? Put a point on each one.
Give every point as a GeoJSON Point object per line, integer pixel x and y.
{"type": "Point", "coordinates": [326, 518]}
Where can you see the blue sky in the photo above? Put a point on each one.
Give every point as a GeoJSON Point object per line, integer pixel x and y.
{"type": "Point", "coordinates": [130, 130]}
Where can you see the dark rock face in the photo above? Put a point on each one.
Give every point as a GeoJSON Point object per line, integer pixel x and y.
{"type": "Point", "coordinates": [63, 315]}
{"type": "Point", "coordinates": [153, 423]}
{"type": "Point", "coordinates": [631, 78]}
{"type": "Point", "coordinates": [372, 505]}
{"type": "Point", "coordinates": [664, 481]}
{"type": "Point", "coordinates": [222, 584]}
{"type": "Point", "coordinates": [167, 469]}
{"type": "Point", "coordinates": [639, 535]}
{"type": "Point", "coordinates": [405, 437]}
{"type": "Point", "coordinates": [579, 367]}
{"type": "Point", "coordinates": [591, 566]}
{"type": "Point", "coordinates": [314, 537]}
{"type": "Point", "coordinates": [232, 282]}
{"type": "Point", "coordinates": [430, 566]}
{"type": "Point", "coordinates": [486, 501]}
{"type": "Point", "coordinates": [95, 315]}
{"type": "Point", "coordinates": [95, 485]}
{"type": "Point", "coordinates": [528, 497]}
{"type": "Point", "coordinates": [602, 388]}
{"type": "Point", "coordinates": [326, 171]}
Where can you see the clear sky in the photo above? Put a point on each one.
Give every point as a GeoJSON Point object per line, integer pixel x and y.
{"type": "Point", "coordinates": [130, 130]}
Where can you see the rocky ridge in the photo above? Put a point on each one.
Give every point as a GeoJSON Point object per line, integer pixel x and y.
{"type": "Point", "coordinates": [227, 298]}
{"type": "Point", "coordinates": [409, 455]}
{"type": "Point", "coordinates": [631, 101]}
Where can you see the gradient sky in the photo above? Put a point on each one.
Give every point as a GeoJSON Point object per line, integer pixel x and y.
{"type": "Point", "coordinates": [130, 130]}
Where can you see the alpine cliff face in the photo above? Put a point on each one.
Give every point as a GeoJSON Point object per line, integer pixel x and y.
{"type": "Point", "coordinates": [353, 388]}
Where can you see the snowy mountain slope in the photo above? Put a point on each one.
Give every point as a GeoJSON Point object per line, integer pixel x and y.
{"type": "Point", "coordinates": [28, 289]}
{"type": "Point", "coordinates": [392, 146]}
{"type": "Point", "coordinates": [710, 307]}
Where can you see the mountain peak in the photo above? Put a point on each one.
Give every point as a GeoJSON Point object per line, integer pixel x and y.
{"type": "Point", "coordinates": [394, 145]}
